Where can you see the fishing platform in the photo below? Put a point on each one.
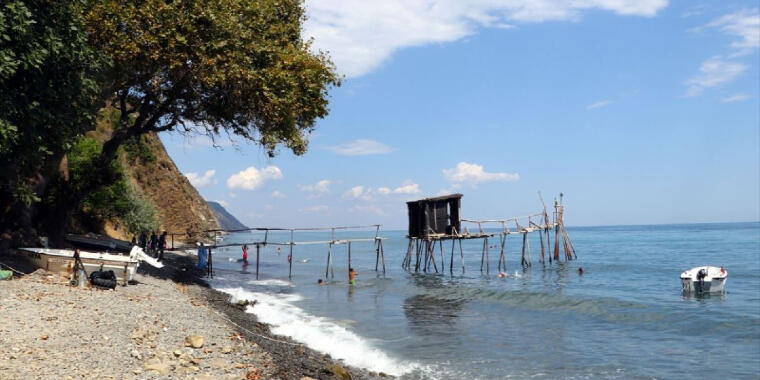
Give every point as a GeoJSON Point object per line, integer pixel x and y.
{"type": "Point", "coordinates": [435, 220]}
{"type": "Point", "coordinates": [377, 241]}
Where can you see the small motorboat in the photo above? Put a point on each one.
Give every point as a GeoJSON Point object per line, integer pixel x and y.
{"type": "Point", "coordinates": [62, 261]}
{"type": "Point", "coordinates": [704, 279]}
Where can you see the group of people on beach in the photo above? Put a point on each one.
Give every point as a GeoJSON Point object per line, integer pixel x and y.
{"type": "Point", "coordinates": [155, 246]}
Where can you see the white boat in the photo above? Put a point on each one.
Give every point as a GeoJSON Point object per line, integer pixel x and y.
{"type": "Point", "coordinates": [62, 261]}
{"type": "Point", "coordinates": [704, 279]}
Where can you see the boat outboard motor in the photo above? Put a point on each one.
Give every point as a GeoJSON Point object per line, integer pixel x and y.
{"type": "Point", "coordinates": [701, 278]}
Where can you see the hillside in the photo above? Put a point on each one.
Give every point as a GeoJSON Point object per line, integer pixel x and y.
{"type": "Point", "coordinates": [179, 206]}
{"type": "Point", "coordinates": [226, 220]}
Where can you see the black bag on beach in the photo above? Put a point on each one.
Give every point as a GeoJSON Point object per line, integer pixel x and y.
{"type": "Point", "coordinates": [103, 279]}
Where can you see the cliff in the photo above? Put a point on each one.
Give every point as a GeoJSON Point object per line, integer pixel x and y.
{"type": "Point", "coordinates": [179, 206]}
{"type": "Point", "coordinates": [226, 220]}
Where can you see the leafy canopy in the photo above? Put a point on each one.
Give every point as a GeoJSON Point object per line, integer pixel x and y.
{"type": "Point", "coordinates": [237, 66]}
{"type": "Point", "coordinates": [48, 92]}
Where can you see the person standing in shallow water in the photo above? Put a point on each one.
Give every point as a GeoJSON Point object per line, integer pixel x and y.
{"type": "Point", "coordinates": [245, 254]}
{"type": "Point", "coordinates": [352, 276]}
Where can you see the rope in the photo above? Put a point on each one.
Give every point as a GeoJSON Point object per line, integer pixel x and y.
{"type": "Point", "coordinates": [9, 267]}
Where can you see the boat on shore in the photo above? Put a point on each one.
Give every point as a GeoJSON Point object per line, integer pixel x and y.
{"type": "Point", "coordinates": [704, 279]}
{"type": "Point", "coordinates": [62, 261]}
{"type": "Point", "coordinates": [99, 242]}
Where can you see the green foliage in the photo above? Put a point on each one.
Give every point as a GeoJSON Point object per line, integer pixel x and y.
{"type": "Point", "coordinates": [236, 65]}
{"type": "Point", "coordinates": [118, 200]}
{"type": "Point", "coordinates": [137, 148]}
{"type": "Point", "coordinates": [48, 92]}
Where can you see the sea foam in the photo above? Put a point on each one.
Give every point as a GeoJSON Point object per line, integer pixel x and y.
{"type": "Point", "coordinates": [318, 333]}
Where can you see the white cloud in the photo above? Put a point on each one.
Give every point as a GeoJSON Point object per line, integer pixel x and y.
{"type": "Point", "coordinates": [200, 180]}
{"type": "Point", "coordinates": [360, 35]}
{"type": "Point", "coordinates": [599, 104]}
{"type": "Point", "coordinates": [474, 174]}
{"type": "Point", "coordinates": [252, 178]}
{"type": "Point", "coordinates": [358, 192]}
{"type": "Point", "coordinates": [408, 187]}
{"type": "Point", "coordinates": [224, 204]}
{"type": "Point", "coordinates": [744, 24]}
{"type": "Point", "coordinates": [736, 98]}
{"type": "Point", "coordinates": [278, 194]}
{"type": "Point", "coordinates": [383, 190]}
{"type": "Point", "coordinates": [714, 72]}
{"type": "Point", "coordinates": [318, 189]}
{"type": "Point", "coordinates": [361, 147]}
{"type": "Point", "coordinates": [317, 208]}
{"type": "Point", "coordinates": [268, 207]}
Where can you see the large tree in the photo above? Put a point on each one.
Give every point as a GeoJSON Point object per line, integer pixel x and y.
{"type": "Point", "coordinates": [238, 66]}
{"type": "Point", "coordinates": [48, 96]}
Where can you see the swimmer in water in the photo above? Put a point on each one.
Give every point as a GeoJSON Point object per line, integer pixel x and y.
{"type": "Point", "coordinates": [352, 276]}
{"type": "Point", "coordinates": [580, 271]}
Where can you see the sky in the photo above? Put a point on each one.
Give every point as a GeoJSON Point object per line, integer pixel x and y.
{"type": "Point", "coordinates": [639, 111]}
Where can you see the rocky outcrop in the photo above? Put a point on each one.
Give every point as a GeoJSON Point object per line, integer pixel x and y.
{"type": "Point", "coordinates": [226, 220]}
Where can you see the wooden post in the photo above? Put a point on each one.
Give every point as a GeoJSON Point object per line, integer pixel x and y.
{"type": "Point", "coordinates": [483, 254]}
{"type": "Point", "coordinates": [382, 254]}
{"type": "Point", "coordinates": [461, 254]}
{"type": "Point", "coordinates": [172, 242]}
{"type": "Point", "coordinates": [329, 260]}
{"type": "Point", "coordinates": [290, 256]}
{"type": "Point", "coordinates": [541, 236]}
{"type": "Point", "coordinates": [257, 261]}
{"type": "Point", "coordinates": [349, 257]}
{"type": "Point", "coordinates": [525, 239]}
{"type": "Point", "coordinates": [443, 262]}
{"type": "Point", "coordinates": [209, 265]}
{"type": "Point", "coordinates": [426, 263]}
{"type": "Point", "coordinates": [377, 253]}
{"type": "Point", "coordinates": [503, 245]}
{"type": "Point", "coordinates": [431, 253]}
{"type": "Point", "coordinates": [488, 260]}
{"type": "Point", "coordinates": [451, 260]}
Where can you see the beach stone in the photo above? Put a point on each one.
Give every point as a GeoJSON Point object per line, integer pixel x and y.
{"type": "Point", "coordinates": [194, 341]}
{"type": "Point", "coordinates": [226, 350]}
{"type": "Point", "coordinates": [135, 354]}
{"type": "Point", "coordinates": [382, 374]}
{"type": "Point", "coordinates": [307, 378]}
{"type": "Point", "coordinates": [159, 367]}
{"type": "Point", "coordinates": [177, 353]}
{"type": "Point", "coordinates": [339, 372]}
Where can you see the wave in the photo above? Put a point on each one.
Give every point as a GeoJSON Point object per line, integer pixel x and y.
{"type": "Point", "coordinates": [270, 282]}
{"type": "Point", "coordinates": [318, 333]}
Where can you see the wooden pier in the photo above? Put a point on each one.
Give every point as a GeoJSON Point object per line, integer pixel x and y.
{"type": "Point", "coordinates": [435, 220]}
{"type": "Point", "coordinates": [291, 243]}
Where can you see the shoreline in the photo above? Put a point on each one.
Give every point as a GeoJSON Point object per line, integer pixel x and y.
{"type": "Point", "coordinates": [179, 299]}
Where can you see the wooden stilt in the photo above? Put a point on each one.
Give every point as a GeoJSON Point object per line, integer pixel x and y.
{"type": "Point", "coordinates": [451, 260]}
{"type": "Point", "coordinates": [525, 239]}
{"type": "Point", "coordinates": [427, 256]}
{"type": "Point", "coordinates": [548, 242]}
{"type": "Point", "coordinates": [483, 254]}
{"type": "Point", "coordinates": [382, 255]}
{"type": "Point", "coordinates": [257, 261]}
{"type": "Point", "coordinates": [556, 242]}
{"type": "Point", "coordinates": [377, 254]}
{"type": "Point", "coordinates": [443, 262]}
{"type": "Point", "coordinates": [329, 254]}
{"type": "Point", "coordinates": [461, 254]}
{"type": "Point", "coordinates": [502, 259]}
{"type": "Point", "coordinates": [541, 236]}
{"type": "Point", "coordinates": [349, 257]}
{"type": "Point", "coordinates": [431, 252]}
{"type": "Point", "coordinates": [488, 261]}
{"type": "Point", "coordinates": [417, 255]}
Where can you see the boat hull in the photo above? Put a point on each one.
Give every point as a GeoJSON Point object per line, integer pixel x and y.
{"type": "Point", "coordinates": [705, 279]}
{"type": "Point", "coordinates": [62, 261]}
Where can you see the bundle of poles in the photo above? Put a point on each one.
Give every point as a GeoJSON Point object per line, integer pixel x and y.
{"type": "Point", "coordinates": [421, 255]}
{"type": "Point", "coordinates": [329, 270]}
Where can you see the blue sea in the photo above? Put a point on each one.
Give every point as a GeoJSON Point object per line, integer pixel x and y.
{"type": "Point", "coordinates": [624, 317]}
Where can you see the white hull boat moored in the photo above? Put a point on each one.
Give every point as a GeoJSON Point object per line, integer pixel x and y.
{"type": "Point", "coordinates": [704, 279]}
{"type": "Point", "coordinates": [62, 261]}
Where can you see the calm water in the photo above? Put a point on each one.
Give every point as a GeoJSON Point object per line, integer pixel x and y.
{"type": "Point", "coordinates": [625, 317]}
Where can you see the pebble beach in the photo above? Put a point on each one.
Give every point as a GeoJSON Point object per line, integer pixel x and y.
{"type": "Point", "coordinates": [167, 325]}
